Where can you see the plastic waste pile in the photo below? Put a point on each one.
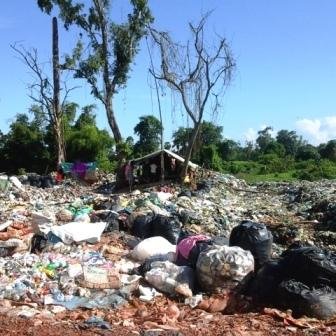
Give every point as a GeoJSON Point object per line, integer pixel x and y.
{"type": "Point", "coordinates": [68, 246]}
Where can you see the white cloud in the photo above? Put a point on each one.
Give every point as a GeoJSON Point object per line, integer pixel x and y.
{"type": "Point", "coordinates": [273, 131]}
{"type": "Point", "coordinates": [318, 130]}
{"type": "Point", "coordinates": [250, 134]}
{"type": "Point", "coordinates": [331, 121]}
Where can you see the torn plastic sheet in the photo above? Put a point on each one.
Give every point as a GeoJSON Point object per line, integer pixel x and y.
{"type": "Point", "coordinates": [98, 300]}
{"type": "Point", "coordinates": [78, 232]}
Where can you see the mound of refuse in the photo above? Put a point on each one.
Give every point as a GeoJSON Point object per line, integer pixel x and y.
{"type": "Point", "coordinates": [66, 245]}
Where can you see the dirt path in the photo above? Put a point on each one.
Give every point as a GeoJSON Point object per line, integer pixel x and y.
{"type": "Point", "coordinates": [233, 325]}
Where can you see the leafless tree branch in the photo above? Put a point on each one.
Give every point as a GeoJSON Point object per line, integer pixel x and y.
{"type": "Point", "coordinates": [199, 81]}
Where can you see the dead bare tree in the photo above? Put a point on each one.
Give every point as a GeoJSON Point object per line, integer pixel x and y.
{"type": "Point", "coordinates": [198, 73]}
{"type": "Point", "coordinates": [46, 93]}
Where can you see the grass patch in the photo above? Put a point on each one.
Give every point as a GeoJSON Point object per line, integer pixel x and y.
{"type": "Point", "coordinates": [274, 177]}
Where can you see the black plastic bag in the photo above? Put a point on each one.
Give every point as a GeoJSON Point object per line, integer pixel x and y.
{"type": "Point", "coordinates": [6, 251]}
{"type": "Point", "coordinates": [142, 226]}
{"type": "Point", "coordinates": [311, 265]}
{"type": "Point", "coordinates": [191, 260]}
{"type": "Point", "coordinates": [106, 188]}
{"type": "Point", "coordinates": [34, 180]}
{"type": "Point", "coordinates": [255, 238]}
{"type": "Point", "coordinates": [188, 216]}
{"type": "Point", "coordinates": [221, 240]}
{"type": "Point", "coordinates": [46, 182]}
{"type": "Point", "coordinates": [197, 250]}
{"type": "Point", "coordinates": [263, 287]}
{"type": "Point", "coordinates": [112, 222]}
{"type": "Point", "coordinates": [302, 300]}
{"type": "Point", "coordinates": [204, 186]}
{"type": "Point", "coordinates": [38, 243]}
{"type": "Point", "coordinates": [166, 227]}
{"type": "Point", "coordinates": [186, 193]}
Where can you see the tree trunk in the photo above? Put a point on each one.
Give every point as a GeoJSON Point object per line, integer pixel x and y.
{"type": "Point", "coordinates": [108, 82]}
{"type": "Point", "coordinates": [112, 121]}
{"type": "Point", "coordinates": [59, 144]}
{"type": "Point", "coordinates": [190, 149]}
{"type": "Point", "coordinates": [120, 177]}
{"type": "Point", "coordinates": [56, 98]}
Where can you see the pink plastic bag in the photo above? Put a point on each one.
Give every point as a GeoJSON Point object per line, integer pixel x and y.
{"type": "Point", "coordinates": [185, 245]}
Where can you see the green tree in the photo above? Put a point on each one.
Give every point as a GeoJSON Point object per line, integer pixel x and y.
{"type": "Point", "coordinates": [313, 170]}
{"type": "Point", "coordinates": [272, 163]}
{"type": "Point", "coordinates": [273, 147]}
{"type": "Point", "coordinates": [2, 154]}
{"type": "Point", "coordinates": [167, 145]}
{"type": "Point", "coordinates": [148, 130]}
{"type": "Point", "coordinates": [2, 140]}
{"type": "Point", "coordinates": [264, 139]}
{"type": "Point", "coordinates": [210, 158]}
{"type": "Point", "coordinates": [85, 142]}
{"type": "Point", "coordinates": [328, 151]}
{"type": "Point", "coordinates": [87, 117]}
{"type": "Point", "coordinates": [290, 140]}
{"type": "Point", "coordinates": [229, 149]}
{"type": "Point", "coordinates": [104, 57]}
{"type": "Point", "coordinates": [24, 147]}
{"type": "Point", "coordinates": [307, 152]}
{"type": "Point", "coordinates": [209, 134]}
{"type": "Point", "coordinates": [248, 152]}
{"type": "Point", "coordinates": [180, 140]}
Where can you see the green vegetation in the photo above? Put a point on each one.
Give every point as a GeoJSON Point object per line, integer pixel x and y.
{"type": "Point", "coordinates": [148, 130]}
{"type": "Point", "coordinates": [282, 158]}
{"type": "Point", "coordinates": [29, 146]}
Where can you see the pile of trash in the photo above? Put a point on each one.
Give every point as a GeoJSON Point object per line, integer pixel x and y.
{"type": "Point", "coordinates": [67, 247]}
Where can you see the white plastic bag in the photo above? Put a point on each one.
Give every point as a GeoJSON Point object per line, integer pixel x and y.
{"type": "Point", "coordinates": [16, 182]}
{"type": "Point", "coordinates": [78, 232]}
{"type": "Point", "coordinates": [169, 278]}
{"type": "Point", "coordinates": [42, 221]}
{"type": "Point", "coordinates": [153, 246]}
{"type": "Point", "coordinates": [83, 218]}
{"type": "Point", "coordinates": [223, 267]}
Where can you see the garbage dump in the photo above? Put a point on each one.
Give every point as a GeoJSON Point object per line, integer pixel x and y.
{"type": "Point", "coordinates": [68, 246]}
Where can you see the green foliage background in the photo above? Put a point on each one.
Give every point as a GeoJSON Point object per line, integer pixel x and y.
{"type": "Point", "coordinates": [28, 146]}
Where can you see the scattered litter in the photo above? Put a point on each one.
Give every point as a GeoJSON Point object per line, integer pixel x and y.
{"type": "Point", "coordinates": [194, 300]}
{"type": "Point", "coordinates": [97, 322]}
{"type": "Point", "coordinates": [65, 247]}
